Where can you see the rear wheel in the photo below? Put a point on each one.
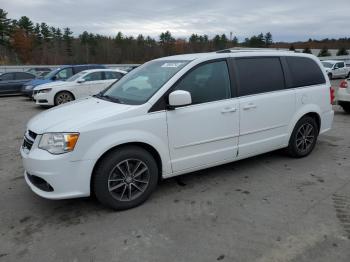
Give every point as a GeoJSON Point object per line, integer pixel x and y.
{"type": "Point", "coordinates": [303, 138]}
{"type": "Point", "coordinates": [125, 178]}
{"type": "Point", "coordinates": [63, 97]}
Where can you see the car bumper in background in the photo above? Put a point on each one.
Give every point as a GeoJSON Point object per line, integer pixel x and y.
{"type": "Point", "coordinates": [343, 94]}
{"type": "Point", "coordinates": [43, 99]}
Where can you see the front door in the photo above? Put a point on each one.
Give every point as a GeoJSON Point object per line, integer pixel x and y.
{"type": "Point", "coordinates": [204, 133]}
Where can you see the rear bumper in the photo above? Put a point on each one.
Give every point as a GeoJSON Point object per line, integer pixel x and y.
{"type": "Point", "coordinates": [343, 95]}
{"type": "Point", "coordinates": [326, 121]}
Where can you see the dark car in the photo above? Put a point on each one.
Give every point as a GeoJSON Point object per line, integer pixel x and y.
{"type": "Point", "coordinates": [60, 74]}
{"type": "Point", "coordinates": [11, 83]}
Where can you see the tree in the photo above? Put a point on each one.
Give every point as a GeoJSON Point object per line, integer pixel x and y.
{"type": "Point", "coordinates": [5, 28]}
{"type": "Point", "coordinates": [307, 50]}
{"type": "Point", "coordinates": [268, 39]}
{"type": "Point", "coordinates": [68, 39]}
{"type": "Point", "coordinates": [25, 24]}
{"type": "Point", "coordinates": [342, 51]}
{"type": "Point", "coordinates": [22, 45]}
{"type": "Point", "coordinates": [324, 52]}
{"type": "Point", "coordinates": [292, 48]}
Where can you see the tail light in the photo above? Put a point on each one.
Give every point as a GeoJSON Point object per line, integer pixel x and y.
{"type": "Point", "coordinates": [343, 84]}
{"type": "Point", "coordinates": [332, 95]}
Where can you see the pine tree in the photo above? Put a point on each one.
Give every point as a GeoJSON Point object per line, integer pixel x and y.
{"type": "Point", "coordinates": [25, 24]}
{"type": "Point", "coordinates": [292, 48]}
{"type": "Point", "coordinates": [342, 51]}
{"type": "Point", "coordinates": [324, 52]}
{"type": "Point", "coordinates": [68, 39]}
{"type": "Point", "coordinates": [307, 50]}
{"type": "Point", "coordinates": [5, 28]}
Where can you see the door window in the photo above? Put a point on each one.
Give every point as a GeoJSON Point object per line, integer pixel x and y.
{"type": "Point", "coordinates": [93, 76]}
{"type": "Point", "coordinates": [64, 73]}
{"type": "Point", "coordinates": [206, 83]}
{"type": "Point", "coordinates": [7, 76]}
{"type": "Point", "coordinates": [23, 76]}
{"type": "Point", "coordinates": [113, 75]}
{"type": "Point", "coordinates": [259, 75]}
{"type": "Point", "coordinates": [340, 65]}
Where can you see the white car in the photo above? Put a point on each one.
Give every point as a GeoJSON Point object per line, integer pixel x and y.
{"type": "Point", "coordinates": [85, 83]}
{"type": "Point", "coordinates": [336, 69]}
{"type": "Point", "coordinates": [175, 115]}
{"type": "Point", "coordinates": [343, 95]}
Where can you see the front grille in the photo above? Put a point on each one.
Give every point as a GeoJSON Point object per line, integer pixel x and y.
{"type": "Point", "coordinates": [28, 140]}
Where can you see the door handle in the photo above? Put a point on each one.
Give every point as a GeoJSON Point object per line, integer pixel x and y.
{"type": "Point", "coordinates": [228, 110]}
{"type": "Point", "coordinates": [249, 106]}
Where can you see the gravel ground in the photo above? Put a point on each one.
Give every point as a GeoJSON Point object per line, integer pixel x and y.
{"type": "Point", "coordinates": [266, 208]}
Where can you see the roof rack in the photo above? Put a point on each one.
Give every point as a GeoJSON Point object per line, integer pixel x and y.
{"type": "Point", "coordinates": [247, 49]}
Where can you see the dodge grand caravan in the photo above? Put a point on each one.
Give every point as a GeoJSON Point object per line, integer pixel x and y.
{"type": "Point", "coordinates": [175, 115]}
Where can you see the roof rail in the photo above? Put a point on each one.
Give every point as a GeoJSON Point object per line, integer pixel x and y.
{"type": "Point", "coordinates": [247, 49]}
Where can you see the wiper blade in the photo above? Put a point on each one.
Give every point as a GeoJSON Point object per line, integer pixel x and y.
{"type": "Point", "coordinates": [108, 98]}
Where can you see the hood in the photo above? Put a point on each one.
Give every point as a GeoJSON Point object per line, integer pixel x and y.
{"type": "Point", "coordinates": [52, 85]}
{"type": "Point", "coordinates": [36, 82]}
{"type": "Point", "coordinates": [71, 117]}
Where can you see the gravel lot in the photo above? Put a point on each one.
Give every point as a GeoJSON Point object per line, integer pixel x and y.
{"type": "Point", "coordinates": [267, 208]}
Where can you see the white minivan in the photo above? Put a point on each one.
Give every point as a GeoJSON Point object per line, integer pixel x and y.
{"type": "Point", "coordinates": [175, 115]}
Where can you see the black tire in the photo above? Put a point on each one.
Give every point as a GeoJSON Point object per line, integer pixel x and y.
{"type": "Point", "coordinates": [63, 97]}
{"type": "Point", "coordinates": [301, 145]}
{"type": "Point", "coordinates": [330, 76]}
{"type": "Point", "coordinates": [346, 107]}
{"type": "Point", "coordinates": [114, 170]}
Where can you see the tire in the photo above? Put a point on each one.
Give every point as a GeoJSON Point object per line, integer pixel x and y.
{"type": "Point", "coordinates": [63, 97]}
{"type": "Point", "coordinates": [116, 187]}
{"type": "Point", "coordinates": [348, 76]}
{"type": "Point", "coordinates": [303, 138]}
{"type": "Point", "coordinates": [330, 76]}
{"type": "Point", "coordinates": [346, 107]}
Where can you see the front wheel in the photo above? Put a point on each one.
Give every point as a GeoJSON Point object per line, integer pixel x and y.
{"type": "Point", "coordinates": [63, 97]}
{"type": "Point", "coordinates": [303, 138]}
{"type": "Point", "coordinates": [125, 178]}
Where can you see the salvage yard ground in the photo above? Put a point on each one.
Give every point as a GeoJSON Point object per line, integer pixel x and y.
{"type": "Point", "coordinates": [267, 208]}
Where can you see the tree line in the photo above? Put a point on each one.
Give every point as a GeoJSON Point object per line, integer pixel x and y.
{"type": "Point", "coordinates": [24, 42]}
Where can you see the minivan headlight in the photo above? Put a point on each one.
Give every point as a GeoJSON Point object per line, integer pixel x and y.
{"type": "Point", "coordinates": [58, 143]}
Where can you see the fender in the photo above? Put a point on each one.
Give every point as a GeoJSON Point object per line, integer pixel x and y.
{"type": "Point", "coordinates": [306, 109]}
{"type": "Point", "coordinates": [101, 146]}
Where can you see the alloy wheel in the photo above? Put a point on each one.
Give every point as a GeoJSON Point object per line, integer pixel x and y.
{"type": "Point", "coordinates": [305, 137]}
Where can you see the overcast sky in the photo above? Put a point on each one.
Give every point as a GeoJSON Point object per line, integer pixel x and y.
{"type": "Point", "coordinates": [286, 20]}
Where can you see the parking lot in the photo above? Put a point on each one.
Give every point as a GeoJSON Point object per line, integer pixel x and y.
{"type": "Point", "coordinates": [266, 208]}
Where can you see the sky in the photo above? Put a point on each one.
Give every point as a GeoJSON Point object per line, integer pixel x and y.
{"type": "Point", "coordinates": [287, 20]}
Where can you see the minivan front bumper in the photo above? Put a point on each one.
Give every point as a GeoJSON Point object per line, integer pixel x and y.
{"type": "Point", "coordinates": [67, 179]}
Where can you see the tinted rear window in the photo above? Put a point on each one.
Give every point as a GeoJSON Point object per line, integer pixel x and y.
{"type": "Point", "coordinates": [304, 72]}
{"type": "Point", "coordinates": [259, 75]}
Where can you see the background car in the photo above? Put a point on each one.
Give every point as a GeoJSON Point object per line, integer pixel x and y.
{"type": "Point", "coordinates": [336, 69]}
{"type": "Point", "coordinates": [343, 95]}
{"type": "Point", "coordinates": [85, 83]}
{"type": "Point", "coordinates": [11, 83]}
{"type": "Point", "coordinates": [62, 73]}
{"type": "Point", "coordinates": [39, 70]}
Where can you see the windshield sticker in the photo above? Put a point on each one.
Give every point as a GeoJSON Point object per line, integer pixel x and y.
{"type": "Point", "coordinates": [173, 65]}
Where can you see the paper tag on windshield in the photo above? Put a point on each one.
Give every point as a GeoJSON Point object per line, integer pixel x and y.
{"type": "Point", "coordinates": [172, 65]}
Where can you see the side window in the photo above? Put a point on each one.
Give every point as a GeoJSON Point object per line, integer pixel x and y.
{"type": "Point", "coordinates": [7, 76]}
{"type": "Point", "coordinates": [64, 73]}
{"type": "Point", "coordinates": [112, 75]}
{"type": "Point", "coordinates": [340, 65]}
{"type": "Point", "coordinates": [93, 76]}
{"type": "Point", "coordinates": [304, 72]}
{"type": "Point", "coordinates": [259, 75]}
{"type": "Point", "coordinates": [206, 83]}
{"type": "Point", "coordinates": [23, 76]}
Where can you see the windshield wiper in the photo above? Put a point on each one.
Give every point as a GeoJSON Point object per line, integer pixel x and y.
{"type": "Point", "coordinates": [108, 98]}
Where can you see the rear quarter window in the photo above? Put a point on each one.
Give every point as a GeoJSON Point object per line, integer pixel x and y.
{"type": "Point", "coordinates": [304, 72]}
{"type": "Point", "coordinates": [259, 75]}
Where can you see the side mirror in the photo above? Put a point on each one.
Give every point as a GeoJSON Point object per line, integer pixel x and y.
{"type": "Point", "coordinates": [179, 98]}
{"type": "Point", "coordinates": [80, 81]}
{"type": "Point", "coordinates": [54, 78]}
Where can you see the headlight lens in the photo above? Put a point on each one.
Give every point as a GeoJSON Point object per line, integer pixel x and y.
{"type": "Point", "coordinates": [58, 143]}
{"type": "Point", "coordinates": [43, 91]}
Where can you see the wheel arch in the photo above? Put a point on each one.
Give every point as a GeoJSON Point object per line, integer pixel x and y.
{"type": "Point", "coordinates": [149, 148]}
{"type": "Point", "coordinates": [312, 111]}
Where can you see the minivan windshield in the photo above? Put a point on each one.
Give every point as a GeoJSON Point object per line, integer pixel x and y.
{"type": "Point", "coordinates": [327, 64]}
{"type": "Point", "coordinates": [136, 87]}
